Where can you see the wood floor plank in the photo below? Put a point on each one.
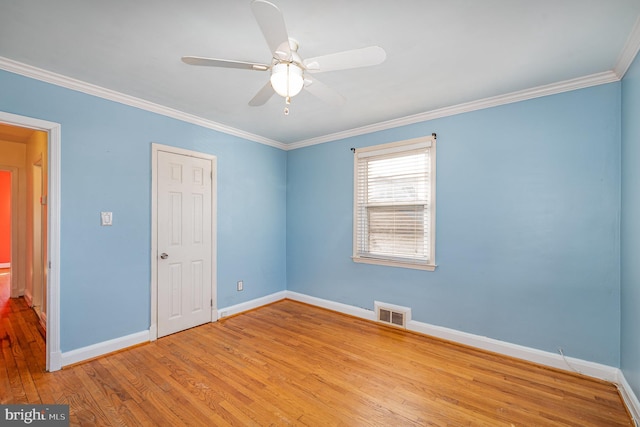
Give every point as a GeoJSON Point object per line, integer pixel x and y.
{"type": "Point", "coordinates": [156, 403]}
{"type": "Point", "coordinates": [293, 364]}
{"type": "Point", "coordinates": [181, 401]}
{"type": "Point", "coordinates": [14, 366]}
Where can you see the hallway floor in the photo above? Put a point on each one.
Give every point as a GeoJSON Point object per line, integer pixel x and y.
{"type": "Point", "coordinates": [23, 361]}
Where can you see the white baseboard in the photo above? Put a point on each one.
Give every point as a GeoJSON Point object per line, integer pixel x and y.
{"type": "Point", "coordinates": [153, 332]}
{"type": "Point", "coordinates": [28, 299]}
{"type": "Point", "coordinates": [5, 265]}
{"type": "Point", "coordinates": [596, 370]}
{"type": "Point", "coordinates": [629, 397]}
{"type": "Point", "coordinates": [43, 320]}
{"type": "Point", "coordinates": [250, 305]}
{"type": "Point", "coordinates": [17, 292]}
{"type": "Point", "coordinates": [102, 348]}
{"type": "Point", "coordinates": [331, 305]}
{"type": "Point", "coordinates": [55, 361]}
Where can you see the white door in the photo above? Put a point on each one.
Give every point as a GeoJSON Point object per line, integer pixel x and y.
{"type": "Point", "coordinates": [184, 242]}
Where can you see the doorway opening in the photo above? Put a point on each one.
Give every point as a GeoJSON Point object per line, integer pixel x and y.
{"type": "Point", "coordinates": [30, 151]}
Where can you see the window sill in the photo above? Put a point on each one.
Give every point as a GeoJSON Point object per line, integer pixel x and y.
{"type": "Point", "coordinates": [390, 263]}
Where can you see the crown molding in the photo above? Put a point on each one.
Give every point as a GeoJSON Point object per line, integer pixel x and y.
{"type": "Point", "coordinates": [536, 92]}
{"type": "Point", "coordinates": [629, 52]}
{"type": "Point", "coordinates": [91, 89]}
{"type": "Point", "coordinates": [631, 49]}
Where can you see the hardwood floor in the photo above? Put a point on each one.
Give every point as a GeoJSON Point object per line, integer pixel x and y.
{"type": "Point", "coordinates": [293, 364]}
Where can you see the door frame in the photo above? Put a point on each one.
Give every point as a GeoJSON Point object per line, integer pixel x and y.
{"type": "Point", "coordinates": [53, 130]}
{"type": "Point", "coordinates": [37, 290]}
{"type": "Point", "coordinates": [155, 148]}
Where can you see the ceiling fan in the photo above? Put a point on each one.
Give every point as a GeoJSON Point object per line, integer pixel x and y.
{"type": "Point", "coordinates": [289, 72]}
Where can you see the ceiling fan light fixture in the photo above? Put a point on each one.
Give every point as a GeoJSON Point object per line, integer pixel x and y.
{"type": "Point", "coordinates": [287, 79]}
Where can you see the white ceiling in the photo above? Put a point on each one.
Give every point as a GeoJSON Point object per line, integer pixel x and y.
{"type": "Point", "coordinates": [440, 53]}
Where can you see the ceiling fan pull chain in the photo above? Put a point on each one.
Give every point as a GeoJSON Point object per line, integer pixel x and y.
{"type": "Point", "coordinates": [287, 102]}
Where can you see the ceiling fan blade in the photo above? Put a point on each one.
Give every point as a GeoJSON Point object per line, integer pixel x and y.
{"type": "Point", "coordinates": [273, 28]}
{"type": "Point", "coordinates": [322, 91]}
{"type": "Point", "coordinates": [372, 55]}
{"type": "Point", "coordinates": [263, 95]}
{"type": "Point", "coordinates": [225, 63]}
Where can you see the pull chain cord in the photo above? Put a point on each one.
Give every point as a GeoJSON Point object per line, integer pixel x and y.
{"type": "Point", "coordinates": [287, 101]}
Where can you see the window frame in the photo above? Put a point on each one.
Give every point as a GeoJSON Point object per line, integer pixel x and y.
{"type": "Point", "coordinates": [378, 151]}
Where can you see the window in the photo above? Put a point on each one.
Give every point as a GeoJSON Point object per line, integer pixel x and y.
{"type": "Point", "coordinates": [394, 204]}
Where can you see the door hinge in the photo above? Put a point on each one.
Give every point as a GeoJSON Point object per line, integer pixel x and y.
{"type": "Point", "coordinates": [212, 302]}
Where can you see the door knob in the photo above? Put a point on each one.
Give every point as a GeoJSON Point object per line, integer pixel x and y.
{"type": "Point", "coordinates": [164, 255]}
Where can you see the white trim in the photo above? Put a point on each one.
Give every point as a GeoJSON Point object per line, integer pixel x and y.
{"type": "Point", "coordinates": [395, 147]}
{"type": "Point", "coordinates": [250, 305]}
{"type": "Point", "coordinates": [424, 144]}
{"type": "Point", "coordinates": [102, 348]}
{"type": "Point", "coordinates": [536, 92]}
{"type": "Point", "coordinates": [391, 263]}
{"type": "Point", "coordinates": [5, 265]}
{"type": "Point", "coordinates": [43, 320]}
{"type": "Point", "coordinates": [53, 210]}
{"type": "Point", "coordinates": [153, 332]}
{"type": "Point", "coordinates": [53, 228]}
{"type": "Point", "coordinates": [351, 310]}
{"type": "Point", "coordinates": [629, 52]}
{"type": "Point", "coordinates": [509, 98]}
{"type": "Point", "coordinates": [629, 397]}
{"type": "Point", "coordinates": [91, 89]}
{"type": "Point", "coordinates": [121, 343]}
{"type": "Point", "coordinates": [596, 370]}
{"type": "Point", "coordinates": [28, 298]}
{"type": "Point", "coordinates": [155, 148]}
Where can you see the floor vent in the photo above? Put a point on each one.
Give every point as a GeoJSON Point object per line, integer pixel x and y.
{"type": "Point", "coordinates": [393, 315]}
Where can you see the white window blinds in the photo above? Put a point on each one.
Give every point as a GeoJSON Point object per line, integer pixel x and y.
{"type": "Point", "coordinates": [394, 202]}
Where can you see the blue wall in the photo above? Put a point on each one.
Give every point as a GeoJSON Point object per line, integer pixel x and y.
{"type": "Point", "coordinates": [528, 243]}
{"type": "Point", "coordinates": [106, 166]}
{"type": "Point", "coordinates": [630, 230]}
{"type": "Point", "coordinates": [528, 233]}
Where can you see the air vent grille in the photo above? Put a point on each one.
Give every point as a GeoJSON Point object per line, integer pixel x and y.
{"type": "Point", "coordinates": [397, 318]}
{"type": "Point", "coordinates": [392, 314]}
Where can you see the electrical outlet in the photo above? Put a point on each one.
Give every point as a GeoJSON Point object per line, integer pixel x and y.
{"type": "Point", "coordinates": [240, 285]}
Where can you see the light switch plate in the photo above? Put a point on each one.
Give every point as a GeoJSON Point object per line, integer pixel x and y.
{"type": "Point", "coordinates": [106, 218]}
